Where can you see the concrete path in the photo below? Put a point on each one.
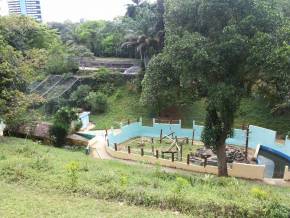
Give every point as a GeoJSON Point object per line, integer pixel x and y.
{"type": "Point", "coordinates": [99, 148]}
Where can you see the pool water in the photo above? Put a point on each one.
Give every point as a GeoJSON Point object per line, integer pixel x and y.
{"type": "Point", "coordinates": [275, 165]}
{"type": "Point", "coordinates": [86, 136]}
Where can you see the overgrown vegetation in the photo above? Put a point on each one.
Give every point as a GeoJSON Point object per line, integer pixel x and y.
{"type": "Point", "coordinates": [28, 165]}
{"type": "Point", "coordinates": [124, 104]}
{"type": "Point", "coordinates": [63, 125]}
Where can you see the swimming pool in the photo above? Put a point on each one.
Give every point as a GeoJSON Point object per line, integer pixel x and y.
{"type": "Point", "coordinates": [275, 165]}
{"type": "Point", "coordinates": [86, 135]}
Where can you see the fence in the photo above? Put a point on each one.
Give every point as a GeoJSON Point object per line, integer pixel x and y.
{"type": "Point", "coordinates": [257, 135]}
{"type": "Point", "coordinates": [247, 171]}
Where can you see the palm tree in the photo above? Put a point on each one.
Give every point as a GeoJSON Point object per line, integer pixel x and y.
{"type": "Point", "coordinates": [145, 46]}
{"type": "Point", "coordinates": [131, 8]}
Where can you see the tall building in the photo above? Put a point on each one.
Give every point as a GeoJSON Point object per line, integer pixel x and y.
{"type": "Point", "coordinates": [26, 7]}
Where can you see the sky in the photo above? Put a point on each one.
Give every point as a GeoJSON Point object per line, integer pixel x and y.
{"type": "Point", "coordinates": [74, 10]}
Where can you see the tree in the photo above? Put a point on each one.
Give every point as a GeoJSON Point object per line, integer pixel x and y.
{"type": "Point", "coordinates": [146, 30]}
{"type": "Point", "coordinates": [144, 45]}
{"type": "Point", "coordinates": [97, 102]}
{"type": "Point", "coordinates": [215, 49]}
{"type": "Point", "coordinates": [78, 97]}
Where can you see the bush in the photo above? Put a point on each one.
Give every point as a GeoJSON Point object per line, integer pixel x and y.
{"type": "Point", "coordinates": [73, 169]}
{"type": "Point", "coordinates": [58, 134]}
{"type": "Point", "coordinates": [77, 98]}
{"type": "Point", "coordinates": [259, 193]}
{"type": "Point", "coordinates": [62, 125]}
{"type": "Point", "coordinates": [97, 101]}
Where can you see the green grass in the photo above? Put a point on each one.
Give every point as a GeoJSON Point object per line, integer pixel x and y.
{"type": "Point", "coordinates": [42, 173]}
{"type": "Point", "coordinates": [145, 142]}
{"type": "Point", "coordinates": [124, 105]}
{"type": "Point", "coordinates": [21, 201]}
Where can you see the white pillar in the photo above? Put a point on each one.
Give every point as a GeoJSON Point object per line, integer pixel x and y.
{"type": "Point", "coordinates": [2, 127]}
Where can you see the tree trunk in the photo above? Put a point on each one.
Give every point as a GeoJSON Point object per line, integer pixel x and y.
{"type": "Point", "coordinates": [222, 160]}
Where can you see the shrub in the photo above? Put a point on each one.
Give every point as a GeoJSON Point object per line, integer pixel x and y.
{"type": "Point", "coordinates": [77, 98]}
{"type": "Point", "coordinates": [103, 70]}
{"type": "Point", "coordinates": [259, 193]}
{"type": "Point", "coordinates": [107, 88]}
{"type": "Point", "coordinates": [72, 169]}
{"type": "Point", "coordinates": [181, 183]}
{"type": "Point", "coordinates": [58, 134]}
{"type": "Point", "coordinates": [124, 181]}
{"type": "Point", "coordinates": [98, 102]}
{"type": "Point", "coordinates": [62, 125]}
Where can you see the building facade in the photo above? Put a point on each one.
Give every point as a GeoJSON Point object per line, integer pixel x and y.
{"type": "Point", "coordinates": [26, 7]}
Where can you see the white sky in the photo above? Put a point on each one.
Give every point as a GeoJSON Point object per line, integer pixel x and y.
{"type": "Point", "coordinates": [74, 10]}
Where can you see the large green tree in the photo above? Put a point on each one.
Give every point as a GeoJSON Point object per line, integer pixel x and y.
{"type": "Point", "coordinates": [217, 48]}
{"type": "Point", "coordinates": [29, 50]}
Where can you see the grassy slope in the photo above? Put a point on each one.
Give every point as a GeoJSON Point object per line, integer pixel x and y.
{"type": "Point", "coordinates": [21, 201]}
{"type": "Point", "coordinates": [124, 105]}
{"type": "Point", "coordinates": [27, 165]}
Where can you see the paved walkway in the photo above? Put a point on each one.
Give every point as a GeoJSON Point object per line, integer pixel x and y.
{"type": "Point", "coordinates": [99, 148]}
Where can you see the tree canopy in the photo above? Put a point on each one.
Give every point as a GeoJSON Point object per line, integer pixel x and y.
{"type": "Point", "coordinates": [29, 50]}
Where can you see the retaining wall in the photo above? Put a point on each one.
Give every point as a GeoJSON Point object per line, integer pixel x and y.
{"type": "Point", "coordinates": [257, 135]}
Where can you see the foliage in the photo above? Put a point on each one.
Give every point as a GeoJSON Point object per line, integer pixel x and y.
{"type": "Point", "coordinates": [24, 33]}
{"type": "Point", "coordinates": [29, 50]}
{"type": "Point", "coordinates": [62, 125]}
{"type": "Point", "coordinates": [259, 194]}
{"type": "Point", "coordinates": [78, 97]}
{"type": "Point", "coordinates": [146, 32]}
{"type": "Point", "coordinates": [97, 102]}
{"type": "Point", "coordinates": [61, 60]}
{"type": "Point", "coordinates": [72, 168]}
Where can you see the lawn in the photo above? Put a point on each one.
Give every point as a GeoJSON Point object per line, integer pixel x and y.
{"type": "Point", "coordinates": [22, 201]}
{"type": "Point", "coordinates": [124, 105]}
{"type": "Point", "coordinates": [56, 176]}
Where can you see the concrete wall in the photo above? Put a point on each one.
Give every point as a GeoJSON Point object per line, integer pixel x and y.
{"type": "Point", "coordinates": [287, 174]}
{"type": "Point", "coordinates": [246, 171]}
{"type": "Point", "coordinates": [85, 119]}
{"type": "Point", "coordinates": [259, 135]}
{"type": "Point", "coordinates": [137, 129]}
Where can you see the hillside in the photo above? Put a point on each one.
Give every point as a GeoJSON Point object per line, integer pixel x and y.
{"type": "Point", "coordinates": [124, 104]}
{"type": "Point", "coordinates": [53, 177]}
